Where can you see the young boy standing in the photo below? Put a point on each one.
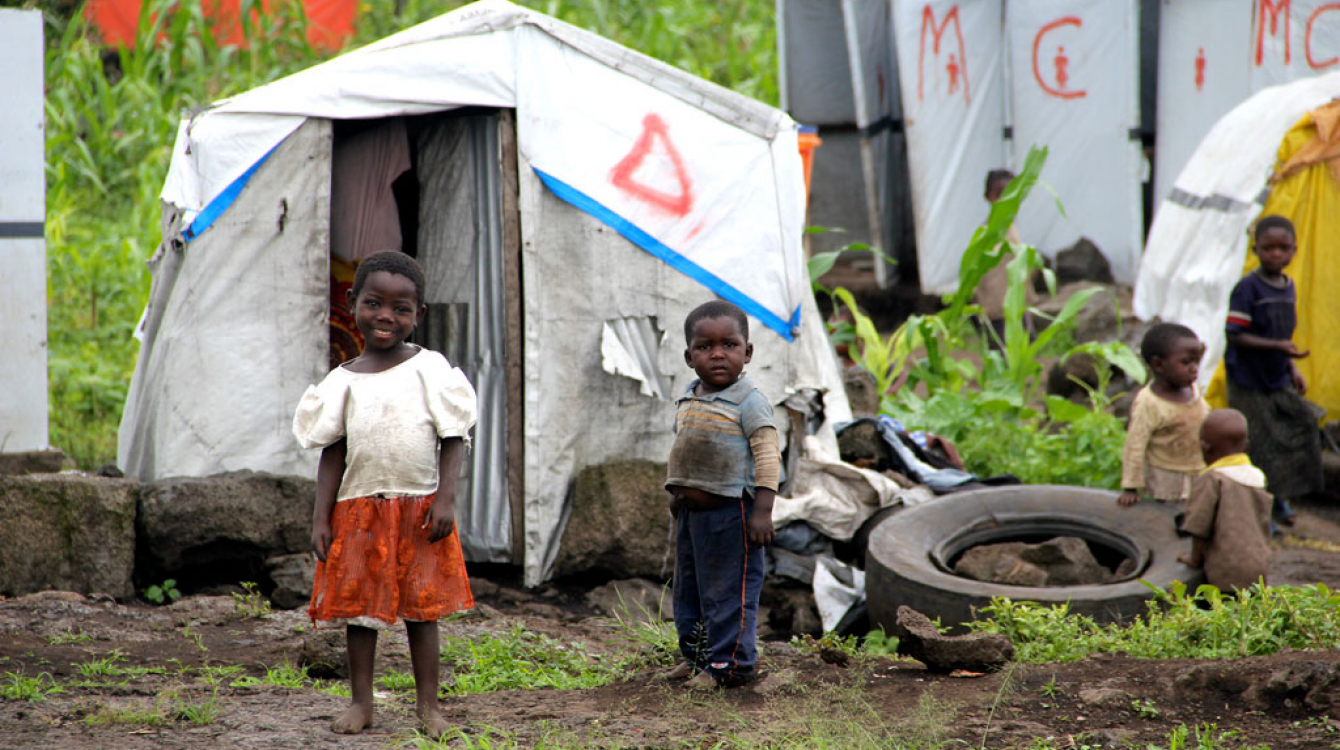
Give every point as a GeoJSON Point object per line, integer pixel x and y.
{"type": "Point", "coordinates": [1263, 381]}
{"type": "Point", "coordinates": [1228, 515]}
{"type": "Point", "coordinates": [722, 476]}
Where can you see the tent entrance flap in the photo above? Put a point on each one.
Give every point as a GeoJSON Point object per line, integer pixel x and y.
{"type": "Point", "coordinates": [460, 246]}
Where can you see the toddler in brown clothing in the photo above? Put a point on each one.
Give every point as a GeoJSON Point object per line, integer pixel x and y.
{"type": "Point", "coordinates": [1162, 452]}
{"type": "Point", "coordinates": [1229, 511]}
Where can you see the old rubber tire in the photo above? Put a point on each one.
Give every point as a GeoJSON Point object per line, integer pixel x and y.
{"type": "Point", "coordinates": [907, 562]}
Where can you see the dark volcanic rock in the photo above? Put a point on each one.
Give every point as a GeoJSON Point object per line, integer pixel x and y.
{"type": "Point", "coordinates": [67, 531]}
{"type": "Point", "coordinates": [975, 652]}
{"type": "Point", "coordinates": [221, 529]}
{"type": "Point", "coordinates": [620, 523]}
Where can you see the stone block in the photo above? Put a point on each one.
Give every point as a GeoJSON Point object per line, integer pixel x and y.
{"type": "Point", "coordinates": [67, 531]}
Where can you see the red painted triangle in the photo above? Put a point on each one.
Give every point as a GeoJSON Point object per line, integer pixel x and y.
{"type": "Point", "coordinates": [653, 129]}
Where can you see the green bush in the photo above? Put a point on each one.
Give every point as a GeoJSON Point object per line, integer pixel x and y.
{"type": "Point", "coordinates": [1205, 625]}
{"type": "Point", "coordinates": [983, 394]}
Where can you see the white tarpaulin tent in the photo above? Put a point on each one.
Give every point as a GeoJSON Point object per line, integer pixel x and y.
{"type": "Point", "coordinates": [950, 68]}
{"type": "Point", "coordinates": [984, 81]}
{"type": "Point", "coordinates": [1214, 54]}
{"type": "Point", "coordinates": [534, 286]}
{"type": "Point", "coordinates": [1198, 242]}
{"type": "Point", "coordinates": [1073, 88]}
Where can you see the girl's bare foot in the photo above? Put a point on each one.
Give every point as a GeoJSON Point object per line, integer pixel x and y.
{"type": "Point", "coordinates": [434, 723]}
{"type": "Point", "coordinates": [354, 720]}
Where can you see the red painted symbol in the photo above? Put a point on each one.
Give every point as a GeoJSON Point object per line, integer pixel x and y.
{"type": "Point", "coordinates": [1274, 8]}
{"type": "Point", "coordinates": [1307, 38]}
{"type": "Point", "coordinates": [1061, 63]}
{"type": "Point", "coordinates": [954, 67]}
{"type": "Point", "coordinates": [1200, 68]}
{"type": "Point", "coordinates": [654, 131]}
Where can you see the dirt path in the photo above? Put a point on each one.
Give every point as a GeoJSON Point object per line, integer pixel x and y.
{"type": "Point", "coordinates": [175, 657]}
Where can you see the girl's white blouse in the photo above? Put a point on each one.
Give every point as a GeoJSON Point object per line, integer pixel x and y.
{"type": "Point", "coordinates": [394, 421]}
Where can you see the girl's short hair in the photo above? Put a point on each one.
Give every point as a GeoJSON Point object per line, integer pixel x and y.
{"type": "Point", "coordinates": [391, 261]}
{"type": "Point", "coordinates": [1273, 221]}
{"type": "Point", "coordinates": [1159, 339]}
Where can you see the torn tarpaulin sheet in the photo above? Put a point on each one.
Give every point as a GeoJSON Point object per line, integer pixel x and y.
{"type": "Point", "coordinates": [836, 497]}
{"type": "Point", "coordinates": [939, 480]}
{"type": "Point", "coordinates": [628, 347]}
{"type": "Point", "coordinates": [837, 587]}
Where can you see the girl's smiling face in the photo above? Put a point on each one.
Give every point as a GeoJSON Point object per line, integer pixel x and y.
{"type": "Point", "coordinates": [386, 309]}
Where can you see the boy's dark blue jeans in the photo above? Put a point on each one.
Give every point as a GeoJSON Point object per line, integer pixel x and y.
{"type": "Point", "coordinates": [718, 578]}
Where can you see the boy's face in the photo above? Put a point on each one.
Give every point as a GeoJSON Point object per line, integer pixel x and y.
{"type": "Point", "coordinates": [386, 309]}
{"type": "Point", "coordinates": [1182, 363]}
{"type": "Point", "coordinates": [1275, 247]}
{"type": "Point", "coordinates": [718, 352]}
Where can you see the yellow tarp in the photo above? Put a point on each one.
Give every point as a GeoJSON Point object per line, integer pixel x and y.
{"type": "Point", "coordinates": [1307, 193]}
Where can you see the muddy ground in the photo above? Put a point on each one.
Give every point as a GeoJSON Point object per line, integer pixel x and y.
{"type": "Point", "coordinates": [1103, 701]}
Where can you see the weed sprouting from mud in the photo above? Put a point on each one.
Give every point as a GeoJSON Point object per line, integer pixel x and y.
{"type": "Point", "coordinates": [18, 687]}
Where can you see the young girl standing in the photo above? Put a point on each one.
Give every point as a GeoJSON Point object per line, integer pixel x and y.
{"type": "Point", "coordinates": [1162, 452]}
{"type": "Point", "coordinates": [392, 425]}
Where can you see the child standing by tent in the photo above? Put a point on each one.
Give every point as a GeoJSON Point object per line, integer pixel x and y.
{"type": "Point", "coordinates": [722, 475]}
{"type": "Point", "coordinates": [1263, 382]}
{"type": "Point", "coordinates": [1229, 511]}
{"type": "Point", "coordinates": [392, 425]}
{"type": "Point", "coordinates": [991, 290]}
{"type": "Point", "coordinates": [1162, 451]}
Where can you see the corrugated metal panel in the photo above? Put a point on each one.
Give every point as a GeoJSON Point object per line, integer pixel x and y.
{"type": "Point", "coordinates": [460, 247]}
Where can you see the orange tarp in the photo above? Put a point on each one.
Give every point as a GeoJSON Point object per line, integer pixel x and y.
{"type": "Point", "coordinates": [329, 22]}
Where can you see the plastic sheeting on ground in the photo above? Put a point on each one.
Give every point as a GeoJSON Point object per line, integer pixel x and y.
{"type": "Point", "coordinates": [836, 497]}
{"type": "Point", "coordinates": [1198, 243]}
{"type": "Point", "coordinates": [1310, 198]}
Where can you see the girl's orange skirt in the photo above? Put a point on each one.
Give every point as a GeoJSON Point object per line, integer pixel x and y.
{"type": "Point", "coordinates": [381, 564]}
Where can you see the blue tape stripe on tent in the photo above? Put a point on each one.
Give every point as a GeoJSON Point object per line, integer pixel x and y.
{"type": "Point", "coordinates": [209, 214]}
{"type": "Point", "coordinates": [784, 328]}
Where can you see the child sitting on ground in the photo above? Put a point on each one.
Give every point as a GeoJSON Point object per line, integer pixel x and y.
{"type": "Point", "coordinates": [392, 425]}
{"type": "Point", "coordinates": [1162, 451]}
{"type": "Point", "coordinates": [1263, 381]}
{"type": "Point", "coordinates": [722, 476]}
{"type": "Point", "coordinates": [1229, 511]}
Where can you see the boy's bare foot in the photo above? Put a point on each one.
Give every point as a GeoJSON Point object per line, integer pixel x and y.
{"type": "Point", "coordinates": [354, 720]}
{"type": "Point", "coordinates": [434, 723]}
{"type": "Point", "coordinates": [682, 671]}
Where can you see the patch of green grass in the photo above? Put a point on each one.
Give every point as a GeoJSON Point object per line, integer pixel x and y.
{"type": "Point", "coordinates": [285, 675]}
{"type": "Point", "coordinates": [396, 681]}
{"type": "Point", "coordinates": [131, 715]}
{"type": "Point", "coordinates": [201, 713]}
{"type": "Point", "coordinates": [522, 660]}
{"type": "Point", "coordinates": [69, 637]}
{"type": "Point", "coordinates": [112, 664]}
{"type": "Point", "coordinates": [216, 674]}
{"type": "Point", "coordinates": [1253, 622]}
{"type": "Point", "coordinates": [19, 687]}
